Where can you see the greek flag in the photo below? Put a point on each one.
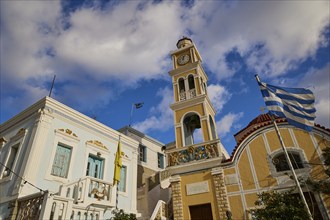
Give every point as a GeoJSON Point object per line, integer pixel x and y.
{"type": "Point", "coordinates": [294, 104]}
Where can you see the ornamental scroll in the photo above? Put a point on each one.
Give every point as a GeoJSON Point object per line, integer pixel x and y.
{"type": "Point", "coordinates": [193, 154]}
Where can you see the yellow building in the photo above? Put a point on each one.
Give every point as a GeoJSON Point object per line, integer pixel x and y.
{"type": "Point", "coordinates": [208, 184]}
{"type": "Point", "coordinates": [258, 164]}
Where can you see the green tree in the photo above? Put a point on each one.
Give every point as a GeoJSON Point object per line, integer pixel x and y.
{"type": "Point", "coordinates": [279, 206]}
{"type": "Point", "coordinates": [121, 215]}
{"type": "Point", "coordinates": [322, 186]}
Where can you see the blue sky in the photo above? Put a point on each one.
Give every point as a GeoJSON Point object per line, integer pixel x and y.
{"type": "Point", "coordinates": [107, 55]}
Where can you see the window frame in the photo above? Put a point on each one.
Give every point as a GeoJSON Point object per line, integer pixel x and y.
{"type": "Point", "coordinates": [59, 144]}
{"type": "Point", "coordinates": [300, 152]}
{"type": "Point", "coordinates": [14, 142]}
{"type": "Point", "coordinates": [143, 153]}
{"type": "Point", "coordinates": [61, 137]}
{"type": "Point", "coordinates": [160, 160]}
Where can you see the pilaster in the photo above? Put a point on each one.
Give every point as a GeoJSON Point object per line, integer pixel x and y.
{"type": "Point", "coordinates": [220, 191]}
{"type": "Point", "coordinates": [177, 197]}
{"type": "Point", "coordinates": [36, 146]}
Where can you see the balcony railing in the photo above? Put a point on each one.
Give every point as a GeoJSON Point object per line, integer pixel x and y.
{"type": "Point", "coordinates": [188, 154]}
{"type": "Point", "coordinates": [89, 190]}
{"type": "Point", "coordinates": [184, 95]}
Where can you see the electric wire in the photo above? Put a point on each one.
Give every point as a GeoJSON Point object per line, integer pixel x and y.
{"type": "Point", "coordinates": [24, 180]}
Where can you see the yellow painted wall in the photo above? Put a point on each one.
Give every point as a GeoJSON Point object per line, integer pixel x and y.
{"type": "Point", "coordinates": [229, 171]}
{"type": "Point", "coordinates": [232, 188]}
{"type": "Point", "coordinates": [321, 142]}
{"type": "Point", "coordinates": [305, 142]}
{"type": "Point", "coordinates": [196, 108]}
{"type": "Point", "coordinates": [175, 91]}
{"type": "Point", "coordinates": [236, 207]}
{"type": "Point", "coordinates": [274, 143]}
{"type": "Point", "coordinates": [205, 129]}
{"type": "Point", "coordinates": [259, 155]}
{"type": "Point", "coordinates": [183, 75]}
{"type": "Point", "coordinates": [197, 86]}
{"type": "Point", "coordinates": [198, 199]}
{"type": "Point", "coordinates": [250, 199]}
{"type": "Point", "coordinates": [245, 172]}
{"type": "Point", "coordinates": [178, 135]}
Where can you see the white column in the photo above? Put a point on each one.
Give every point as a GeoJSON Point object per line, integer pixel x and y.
{"type": "Point", "coordinates": [134, 179]}
{"type": "Point", "coordinates": [36, 147]}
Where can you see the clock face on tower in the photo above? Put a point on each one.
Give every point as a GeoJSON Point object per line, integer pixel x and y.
{"type": "Point", "coordinates": [183, 59]}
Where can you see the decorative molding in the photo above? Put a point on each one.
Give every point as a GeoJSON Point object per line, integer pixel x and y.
{"type": "Point", "coordinates": [175, 178]}
{"type": "Point", "coordinates": [216, 170]}
{"type": "Point", "coordinates": [67, 132]}
{"type": "Point", "coordinates": [21, 131]}
{"type": "Point", "coordinates": [97, 144]}
{"type": "Point", "coordinates": [3, 140]}
{"type": "Point", "coordinates": [20, 134]}
{"type": "Point", "coordinates": [193, 153]}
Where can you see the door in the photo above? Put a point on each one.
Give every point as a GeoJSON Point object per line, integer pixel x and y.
{"type": "Point", "coordinates": [201, 212]}
{"type": "Point", "coordinates": [94, 167]}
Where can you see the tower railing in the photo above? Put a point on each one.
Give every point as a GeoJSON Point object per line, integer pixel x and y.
{"type": "Point", "coordinates": [196, 152]}
{"type": "Point", "coordinates": [184, 95]}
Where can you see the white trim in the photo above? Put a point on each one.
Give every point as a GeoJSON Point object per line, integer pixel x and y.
{"type": "Point", "coordinates": [240, 187]}
{"type": "Point", "coordinates": [16, 140]}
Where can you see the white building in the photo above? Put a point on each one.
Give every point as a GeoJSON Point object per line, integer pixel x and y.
{"type": "Point", "coordinates": [151, 198]}
{"type": "Point", "coordinates": [57, 163]}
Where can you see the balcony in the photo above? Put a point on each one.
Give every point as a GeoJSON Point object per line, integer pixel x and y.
{"type": "Point", "coordinates": [184, 95]}
{"type": "Point", "coordinates": [90, 191]}
{"type": "Point", "coordinates": [196, 152]}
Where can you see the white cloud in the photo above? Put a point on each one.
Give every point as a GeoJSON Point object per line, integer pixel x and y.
{"type": "Point", "coordinates": [162, 115]}
{"type": "Point", "coordinates": [226, 123]}
{"type": "Point", "coordinates": [130, 41]}
{"type": "Point", "coordinates": [218, 95]}
{"type": "Point", "coordinates": [273, 36]}
{"type": "Point", "coordinates": [318, 81]}
{"type": "Point", "coordinates": [127, 42]}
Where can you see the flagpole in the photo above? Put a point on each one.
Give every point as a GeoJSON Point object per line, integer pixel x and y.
{"type": "Point", "coordinates": [130, 118]}
{"type": "Point", "coordinates": [51, 88]}
{"type": "Point", "coordinates": [117, 182]}
{"type": "Point", "coordinates": [289, 162]}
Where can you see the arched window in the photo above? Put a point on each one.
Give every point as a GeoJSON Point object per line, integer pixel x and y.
{"type": "Point", "coordinates": [52, 211]}
{"type": "Point", "coordinates": [68, 192]}
{"type": "Point", "coordinates": [213, 133]}
{"type": "Point", "coordinates": [182, 89]}
{"type": "Point", "coordinates": [191, 122]}
{"type": "Point", "coordinates": [191, 82]}
{"type": "Point", "coordinates": [281, 163]}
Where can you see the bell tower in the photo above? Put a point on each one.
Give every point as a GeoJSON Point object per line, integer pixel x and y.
{"type": "Point", "coordinates": [193, 111]}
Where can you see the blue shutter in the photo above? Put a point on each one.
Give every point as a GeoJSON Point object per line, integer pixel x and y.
{"type": "Point", "coordinates": [61, 161]}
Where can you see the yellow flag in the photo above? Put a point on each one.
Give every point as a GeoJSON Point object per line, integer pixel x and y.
{"type": "Point", "coordinates": [118, 165]}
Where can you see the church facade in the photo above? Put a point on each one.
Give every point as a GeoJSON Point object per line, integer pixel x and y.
{"type": "Point", "coordinates": [208, 184]}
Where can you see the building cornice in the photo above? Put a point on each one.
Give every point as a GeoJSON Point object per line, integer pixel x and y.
{"type": "Point", "coordinates": [51, 106]}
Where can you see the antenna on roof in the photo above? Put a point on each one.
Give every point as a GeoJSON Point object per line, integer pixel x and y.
{"type": "Point", "coordinates": [51, 88]}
